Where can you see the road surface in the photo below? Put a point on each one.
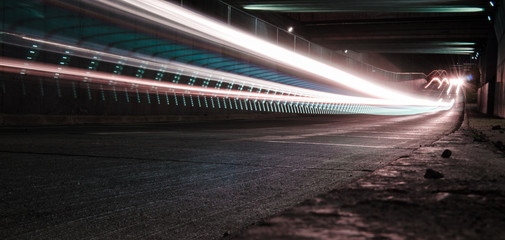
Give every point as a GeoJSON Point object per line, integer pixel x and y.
{"type": "Point", "coordinates": [189, 180]}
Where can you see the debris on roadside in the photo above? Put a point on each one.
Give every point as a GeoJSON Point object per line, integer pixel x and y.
{"type": "Point", "coordinates": [479, 137]}
{"type": "Point", "coordinates": [447, 153]}
{"type": "Point", "coordinates": [499, 145]}
{"type": "Point", "coordinates": [432, 174]}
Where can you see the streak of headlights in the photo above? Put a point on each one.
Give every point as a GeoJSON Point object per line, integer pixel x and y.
{"type": "Point", "coordinates": [286, 92]}
{"type": "Point", "coordinates": [108, 79]}
{"type": "Point", "coordinates": [173, 16]}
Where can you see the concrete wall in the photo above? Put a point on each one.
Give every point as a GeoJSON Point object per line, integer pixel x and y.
{"type": "Point", "coordinates": [381, 62]}
{"type": "Point", "coordinates": [499, 106]}
{"type": "Point", "coordinates": [413, 85]}
{"type": "Point", "coordinates": [491, 99]}
{"type": "Point", "coordinates": [483, 99]}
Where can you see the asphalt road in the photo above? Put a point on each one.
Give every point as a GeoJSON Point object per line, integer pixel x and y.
{"type": "Point", "coordinates": [189, 180]}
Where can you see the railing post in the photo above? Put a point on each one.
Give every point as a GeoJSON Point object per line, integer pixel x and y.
{"type": "Point", "coordinates": [294, 43]}
{"type": "Point", "coordinates": [229, 14]}
{"type": "Point", "coordinates": [277, 35]}
{"type": "Point", "coordinates": [256, 26]}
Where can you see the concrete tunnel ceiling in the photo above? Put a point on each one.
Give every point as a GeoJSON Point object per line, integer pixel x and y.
{"type": "Point", "coordinates": [441, 32]}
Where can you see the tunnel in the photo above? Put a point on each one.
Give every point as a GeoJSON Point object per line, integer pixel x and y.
{"type": "Point", "coordinates": [249, 119]}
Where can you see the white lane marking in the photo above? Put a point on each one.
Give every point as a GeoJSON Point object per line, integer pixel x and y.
{"type": "Point", "coordinates": [280, 138]}
{"type": "Point", "coordinates": [134, 132]}
{"type": "Point", "coordinates": [336, 144]}
{"type": "Point", "coordinates": [380, 137]}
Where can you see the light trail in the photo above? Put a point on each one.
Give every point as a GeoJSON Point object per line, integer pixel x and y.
{"type": "Point", "coordinates": [169, 15]}
{"type": "Point", "coordinates": [155, 64]}
{"type": "Point", "coordinates": [457, 82]}
{"type": "Point", "coordinates": [434, 80]}
{"type": "Point", "coordinates": [305, 95]}
{"type": "Point", "coordinates": [69, 73]}
{"type": "Point", "coordinates": [131, 83]}
{"type": "Point", "coordinates": [440, 82]}
{"type": "Point", "coordinates": [173, 16]}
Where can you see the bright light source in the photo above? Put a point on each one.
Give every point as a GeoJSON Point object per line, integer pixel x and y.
{"type": "Point", "coordinates": [491, 3]}
{"type": "Point", "coordinates": [345, 51]}
{"type": "Point", "coordinates": [456, 81]}
{"type": "Point", "coordinates": [290, 29]}
{"type": "Point", "coordinates": [489, 18]}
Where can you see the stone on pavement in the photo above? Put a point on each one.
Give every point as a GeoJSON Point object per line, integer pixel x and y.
{"type": "Point", "coordinates": [432, 174]}
{"type": "Point", "coordinates": [447, 153]}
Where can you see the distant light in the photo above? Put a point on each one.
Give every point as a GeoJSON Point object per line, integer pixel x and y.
{"type": "Point", "coordinates": [290, 29]}
{"type": "Point", "coordinates": [456, 81]}
{"type": "Point", "coordinates": [489, 18]}
{"type": "Point", "coordinates": [345, 51]}
{"type": "Point", "coordinates": [491, 3]}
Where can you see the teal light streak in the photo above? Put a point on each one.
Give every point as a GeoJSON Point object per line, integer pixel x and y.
{"type": "Point", "coordinates": [307, 8]}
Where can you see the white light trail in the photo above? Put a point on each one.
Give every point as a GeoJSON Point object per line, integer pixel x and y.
{"type": "Point", "coordinates": [69, 73]}
{"type": "Point", "coordinates": [440, 82]}
{"type": "Point", "coordinates": [111, 80]}
{"type": "Point", "coordinates": [157, 63]}
{"type": "Point", "coordinates": [452, 82]}
{"type": "Point", "coordinates": [171, 15]}
{"type": "Point", "coordinates": [215, 75]}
